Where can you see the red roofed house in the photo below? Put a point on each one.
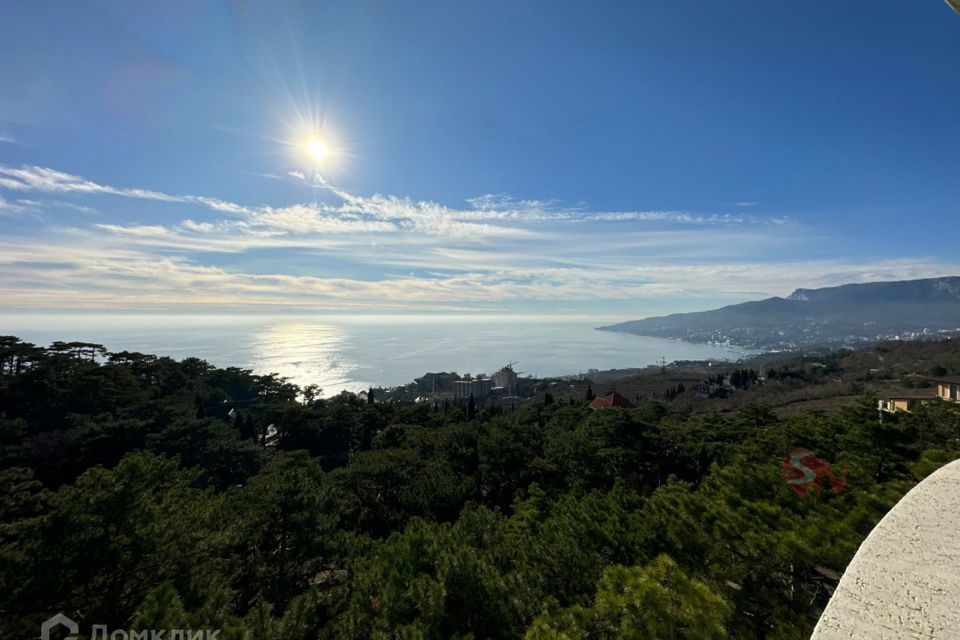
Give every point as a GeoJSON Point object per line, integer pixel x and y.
{"type": "Point", "coordinates": [612, 400]}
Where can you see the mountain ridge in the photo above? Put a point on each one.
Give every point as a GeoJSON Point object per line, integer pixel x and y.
{"type": "Point", "coordinates": [844, 315]}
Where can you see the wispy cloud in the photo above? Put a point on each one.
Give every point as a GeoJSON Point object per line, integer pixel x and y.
{"type": "Point", "coordinates": [9, 208]}
{"type": "Point", "coordinates": [260, 174]}
{"type": "Point", "coordinates": [57, 276]}
{"type": "Point", "coordinates": [488, 216]}
{"type": "Point", "coordinates": [354, 213]}
{"type": "Point", "coordinates": [59, 204]}
{"type": "Point", "coordinates": [380, 251]}
{"type": "Point", "coordinates": [32, 178]}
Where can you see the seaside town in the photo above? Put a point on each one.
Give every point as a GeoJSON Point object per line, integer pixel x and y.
{"type": "Point", "coordinates": [903, 375]}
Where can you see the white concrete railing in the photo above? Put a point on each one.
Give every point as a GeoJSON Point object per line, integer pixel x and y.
{"type": "Point", "coordinates": [904, 581]}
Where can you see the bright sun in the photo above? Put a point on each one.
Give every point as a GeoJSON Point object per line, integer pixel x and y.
{"type": "Point", "coordinates": [317, 149]}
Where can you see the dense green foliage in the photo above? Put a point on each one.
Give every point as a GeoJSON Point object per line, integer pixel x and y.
{"type": "Point", "coordinates": [139, 492]}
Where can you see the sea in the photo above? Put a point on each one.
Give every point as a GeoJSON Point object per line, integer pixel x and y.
{"type": "Point", "coordinates": [353, 353]}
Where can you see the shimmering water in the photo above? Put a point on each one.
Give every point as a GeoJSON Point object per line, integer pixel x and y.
{"type": "Point", "coordinates": [355, 352]}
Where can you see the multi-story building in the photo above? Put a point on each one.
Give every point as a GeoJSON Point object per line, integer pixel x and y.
{"type": "Point", "coordinates": [506, 378]}
{"type": "Point", "coordinates": [478, 387]}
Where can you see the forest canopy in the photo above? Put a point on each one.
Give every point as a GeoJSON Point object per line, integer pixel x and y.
{"type": "Point", "coordinates": [140, 492]}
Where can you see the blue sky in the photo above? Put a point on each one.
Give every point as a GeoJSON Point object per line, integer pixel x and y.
{"type": "Point", "coordinates": [611, 159]}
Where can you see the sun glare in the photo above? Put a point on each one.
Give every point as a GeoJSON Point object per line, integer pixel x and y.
{"type": "Point", "coordinates": [312, 144]}
{"type": "Point", "coordinates": [318, 149]}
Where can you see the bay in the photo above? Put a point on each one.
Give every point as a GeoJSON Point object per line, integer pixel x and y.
{"type": "Point", "coordinates": [340, 352]}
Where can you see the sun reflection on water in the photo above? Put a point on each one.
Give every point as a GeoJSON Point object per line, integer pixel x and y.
{"type": "Point", "coordinates": [307, 354]}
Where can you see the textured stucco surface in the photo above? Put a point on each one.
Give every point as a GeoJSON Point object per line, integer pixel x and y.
{"type": "Point", "coordinates": [904, 581]}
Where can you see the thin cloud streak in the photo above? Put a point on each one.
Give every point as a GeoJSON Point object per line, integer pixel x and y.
{"type": "Point", "coordinates": [9, 208]}
{"type": "Point", "coordinates": [32, 178]}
